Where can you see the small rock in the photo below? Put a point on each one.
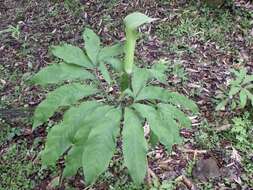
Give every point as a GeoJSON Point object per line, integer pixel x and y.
{"type": "Point", "coordinates": [206, 169]}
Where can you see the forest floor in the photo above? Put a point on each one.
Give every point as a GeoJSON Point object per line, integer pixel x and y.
{"type": "Point", "coordinates": [200, 44]}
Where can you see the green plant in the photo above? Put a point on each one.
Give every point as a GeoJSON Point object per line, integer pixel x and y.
{"type": "Point", "coordinates": [166, 185]}
{"type": "Point", "coordinates": [178, 70]}
{"type": "Point", "coordinates": [240, 91]}
{"type": "Point", "coordinates": [241, 133]}
{"type": "Point", "coordinates": [15, 31]}
{"type": "Point", "coordinates": [73, 6]}
{"type": "Point", "coordinates": [88, 133]}
{"type": "Point", "coordinates": [206, 137]}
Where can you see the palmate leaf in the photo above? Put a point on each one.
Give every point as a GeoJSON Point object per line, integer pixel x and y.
{"type": "Point", "coordinates": [62, 96]}
{"type": "Point", "coordinates": [134, 146]}
{"type": "Point", "coordinates": [91, 136]}
{"type": "Point", "coordinates": [166, 130]}
{"type": "Point", "coordinates": [56, 73]}
{"type": "Point", "coordinates": [72, 54]}
{"type": "Point", "coordinates": [95, 128]}
{"type": "Point", "coordinates": [92, 44]}
{"type": "Point", "coordinates": [101, 144]}
{"type": "Point", "coordinates": [73, 132]}
{"type": "Point", "coordinates": [61, 136]}
{"type": "Point", "coordinates": [158, 93]}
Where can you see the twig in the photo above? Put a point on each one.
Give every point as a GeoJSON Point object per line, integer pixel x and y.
{"type": "Point", "coordinates": [222, 128]}
{"type": "Point", "coordinates": [195, 152]}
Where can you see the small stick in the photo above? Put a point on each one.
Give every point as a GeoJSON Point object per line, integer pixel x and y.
{"type": "Point", "coordinates": [193, 151]}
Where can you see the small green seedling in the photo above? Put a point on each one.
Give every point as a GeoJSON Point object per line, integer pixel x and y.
{"type": "Point", "coordinates": [240, 91]}
{"type": "Point", "coordinates": [99, 114]}
{"type": "Point", "coordinates": [15, 31]}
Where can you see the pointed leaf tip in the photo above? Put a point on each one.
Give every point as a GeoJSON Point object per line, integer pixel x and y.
{"type": "Point", "coordinates": [92, 44]}
{"type": "Point", "coordinates": [136, 19]}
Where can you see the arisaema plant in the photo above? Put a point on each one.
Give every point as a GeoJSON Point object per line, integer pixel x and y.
{"type": "Point", "coordinates": [96, 117]}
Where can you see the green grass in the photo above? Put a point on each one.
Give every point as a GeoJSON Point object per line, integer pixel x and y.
{"type": "Point", "coordinates": [18, 172]}
{"type": "Point", "coordinates": [204, 24]}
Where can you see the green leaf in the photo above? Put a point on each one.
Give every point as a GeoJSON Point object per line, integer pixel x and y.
{"type": "Point", "coordinates": [56, 73]}
{"type": "Point", "coordinates": [110, 51]}
{"type": "Point", "coordinates": [248, 79]}
{"type": "Point", "coordinates": [240, 76]}
{"type": "Point", "coordinates": [160, 67]}
{"type": "Point", "coordinates": [172, 126]}
{"type": "Point", "coordinates": [158, 93]}
{"type": "Point", "coordinates": [243, 72]}
{"type": "Point", "coordinates": [73, 161]}
{"type": "Point", "coordinates": [128, 92]}
{"type": "Point", "coordinates": [62, 96]}
{"type": "Point", "coordinates": [233, 104]}
{"type": "Point", "coordinates": [243, 98]}
{"type": "Point", "coordinates": [154, 93]}
{"type": "Point", "coordinates": [100, 146]}
{"type": "Point", "coordinates": [250, 96]}
{"type": "Point", "coordinates": [166, 130]}
{"type": "Point", "coordinates": [56, 145]}
{"type": "Point", "coordinates": [72, 54]}
{"type": "Point", "coordinates": [136, 19]}
{"type": "Point", "coordinates": [249, 86]}
{"type": "Point", "coordinates": [134, 146]}
{"type": "Point", "coordinates": [105, 73]}
{"type": "Point", "coordinates": [181, 100]}
{"type": "Point", "coordinates": [81, 120]}
{"type": "Point", "coordinates": [139, 79]}
{"type": "Point", "coordinates": [233, 91]}
{"type": "Point", "coordinates": [235, 72]}
{"type": "Point", "coordinates": [221, 105]}
{"type": "Point", "coordinates": [176, 114]}
{"type": "Point", "coordinates": [92, 44]}
{"type": "Point", "coordinates": [116, 64]}
{"type": "Point", "coordinates": [153, 139]}
{"type": "Point", "coordinates": [61, 136]}
{"type": "Point", "coordinates": [158, 72]}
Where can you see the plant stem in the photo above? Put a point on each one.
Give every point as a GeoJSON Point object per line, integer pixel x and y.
{"type": "Point", "coordinates": [131, 37]}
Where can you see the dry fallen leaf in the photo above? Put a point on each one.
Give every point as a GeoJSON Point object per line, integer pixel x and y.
{"type": "Point", "coordinates": [235, 155]}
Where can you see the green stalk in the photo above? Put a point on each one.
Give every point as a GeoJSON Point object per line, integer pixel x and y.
{"type": "Point", "coordinates": [132, 22]}
{"type": "Point", "coordinates": [131, 37]}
